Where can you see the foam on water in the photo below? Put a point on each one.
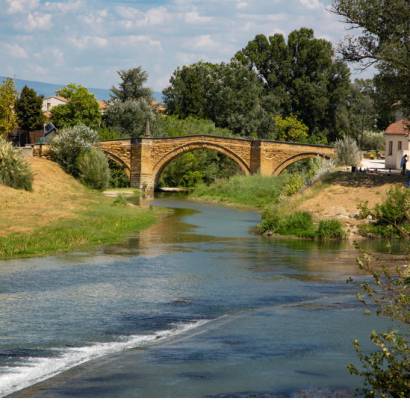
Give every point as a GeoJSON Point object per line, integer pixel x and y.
{"type": "Point", "coordinates": [35, 370]}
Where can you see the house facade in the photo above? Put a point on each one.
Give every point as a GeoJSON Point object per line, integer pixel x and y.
{"type": "Point", "coordinates": [50, 102]}
{"type": "Point", "coordinates": [397, 143]}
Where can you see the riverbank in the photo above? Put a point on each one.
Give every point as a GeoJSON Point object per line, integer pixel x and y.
{"type": "Point", "coordinates": [336, 196]}
{"type": "Point", "coordinates": [61, 215]}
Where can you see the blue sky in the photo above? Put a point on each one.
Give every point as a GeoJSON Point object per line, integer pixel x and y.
{"type": "Point", "coordinates": [88, 41]}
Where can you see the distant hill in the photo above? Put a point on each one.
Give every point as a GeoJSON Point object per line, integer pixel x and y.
{"type": "Point", "coordinates": [47, 89]}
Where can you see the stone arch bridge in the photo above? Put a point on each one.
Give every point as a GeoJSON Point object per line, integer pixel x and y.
{"type": "Point", "coordinates": [145, 158]}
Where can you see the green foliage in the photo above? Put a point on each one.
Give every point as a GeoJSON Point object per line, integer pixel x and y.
{"type": "Point", "coordinates": [119, 177]}
{"type": "Point", "coordinates": [108, 134]}
{"type": "Point", "coordinates": [14, 170]}
{"type": "Point", "coordinates": [382, 39]}
{"type": "Point", "coordinates": [300, 77]}
{"type": "Point", "coordinates": [129, 118]}
{"type": "Point", "coordinates": [228, 94]}
{"type": "Point", "coordinates": [29, 110]}
{"type": "Point", "coordinates": [198, 166]}
{"type": "Point", "coordinates": [391, 218]}
{"type": "Point", "coordinates": [386, 370]}
{"type": "Point", "coordinates": [372, 141]}
{"type": "Point", "coordinates": [290, 129]}
{"type": "Point", "coordinates": [294, 183]}
{"type": "Point", "coordinates": [131, 86]}
{"type": "Point", "coordinates": [81, 108]}
{"type": "Point", "coordinates": [8, 118]}
{"type": "Point", "coordinates": [347, 152]}
{"type": "Point", "coordinates": [255, 191]}
{"type": "Point", "coordinates": [93, 169]}
{"type": "Point", "coordinates": [120, 200]}
{"type": "Point", "coordinates": [296, 224]}
{"type": "Point", "coordinates": [69, 144]}
{"type": "Point", "coordinates": [172, 126]}
{"type": "Point", "coordinates": [330, 229]}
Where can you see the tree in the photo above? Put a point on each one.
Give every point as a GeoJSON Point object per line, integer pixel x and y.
{"type": "Point", "coordinates": [385, 371]}
{"type": "Point", "coordinates": [69, 144]}
{"type": "Point", "coordinates": [228, 94]}
{"type": "Point", "coordinates": [132, 86]}
{"type": "Point", "coordinates": [8, 118]}
{"type": "Point", "coordinates": [290, 129]}
{"type": "Point", "coordinates": [348, 152]}
{"type": "Point", "coordinates": [130, 117]}
{"type": "Point", "coordinates": [300, 77]}
{"type": "Point", "coordinates": [384, 40]}
{"type": "Point", "coordinates": [29, 110]}
{"type": "Point", "coordinates": [81, 108]}
{"type": "Point", "coordinates": [93, 169]}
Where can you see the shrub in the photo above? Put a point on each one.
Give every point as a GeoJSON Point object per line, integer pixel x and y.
{"type": "Point", "coordinates": [93, 169]}
{"type": "Point", "coordinates": [330, 229]}
{"type": "Point", "coordinates": [67, 146]}
{"type": "Point", "coordinates": [372, 141]}
{"type": "Point", "coordinates": [297, 224]}
{"type": "Point", "coordinates": [14, 170]}
{"type": "Point", "coordinates": [347, 152]}
{"type": "Point", "coordinates": [294, 183]}
{"type": "Point", "coordinates": [391, 218]}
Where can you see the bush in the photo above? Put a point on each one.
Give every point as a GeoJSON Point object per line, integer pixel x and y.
{"type": "Point", "coordinates": [67, 146]}
{"type": "Point", "coordinates": [294, 183]}
{"type": "Point", "coordinates": [14, 170]}
{"type": "Point", "coordinates": [298, 224]}
{"type": "Point", "coordinates": [391, 218]}
{"type": "Point", "coordinates": [330, 229]}
{"type": "Point", "coordinates": [372, 141]}
{"type": "Point", "coordinates": [347, 152]}
{"type": "Point", "coordinates": [93, 169]}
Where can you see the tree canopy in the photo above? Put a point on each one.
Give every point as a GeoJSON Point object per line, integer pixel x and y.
{"type": "Point", "coordinates": [29, 110]}
{"type": "Point", "coordinates": [8, 118]}
{"type": "Point", "coordinates": [384, 41]}
{"type": "Point", "coordinates": [81, 108]}
{"type": "Point", "coordinates": [131, 86]}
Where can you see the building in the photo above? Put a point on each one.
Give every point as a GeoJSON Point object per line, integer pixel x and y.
{"type": "Point", "coordinates": [50, 102]}
{"type": "Point", "coordinates": [397, 140]}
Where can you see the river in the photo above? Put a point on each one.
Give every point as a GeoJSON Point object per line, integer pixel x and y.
{"type": "Point", "coordinates": [195, 306]}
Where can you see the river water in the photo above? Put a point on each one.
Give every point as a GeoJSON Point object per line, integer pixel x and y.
{"type": "Point", "coordinates": [195, 306]}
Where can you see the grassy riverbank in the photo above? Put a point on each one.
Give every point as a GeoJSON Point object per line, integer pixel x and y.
{"type": "Point", "coordinates": [61, 215]}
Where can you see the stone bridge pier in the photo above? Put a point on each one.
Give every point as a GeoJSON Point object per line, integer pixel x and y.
{"type": "Point", "coordinates": [145, 158]}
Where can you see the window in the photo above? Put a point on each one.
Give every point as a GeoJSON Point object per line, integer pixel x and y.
{"type": "Point", "coordinates": [390, 147]}
{"type": "Point", "coordinates": [399, 146]}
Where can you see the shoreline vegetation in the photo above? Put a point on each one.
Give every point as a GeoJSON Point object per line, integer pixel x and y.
{"type": "Point", "coordinates": [61, 215]}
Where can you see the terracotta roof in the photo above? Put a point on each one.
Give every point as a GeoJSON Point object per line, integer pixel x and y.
{"type": "Point", "coordinates": [401, 127]}
{"type": "Point", "coordinates": [102, 104]}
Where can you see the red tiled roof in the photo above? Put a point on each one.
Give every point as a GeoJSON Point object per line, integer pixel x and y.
{"type": "Point", "coordinates": [102, 104]}
{"type": "Point", "coordinates": [401, 127]}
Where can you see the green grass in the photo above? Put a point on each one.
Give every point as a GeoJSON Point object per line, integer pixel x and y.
{"type": "Point", "coordinates": [253, 191]}
{"type": "Point", "coordinates": [102, 223]}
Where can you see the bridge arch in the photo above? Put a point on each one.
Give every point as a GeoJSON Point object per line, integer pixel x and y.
{"type": "Point", "coordinates": [192, 146]}
{"type": "Point", "coordinates": [118, 160]}
{"type": "Point", "coordinates": [296, 158]}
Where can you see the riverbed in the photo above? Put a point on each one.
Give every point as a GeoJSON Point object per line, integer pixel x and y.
{"type": "Point", "coordinates": [195, 306]}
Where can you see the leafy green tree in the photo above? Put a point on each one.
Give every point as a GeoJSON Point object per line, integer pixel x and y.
{"type": "Point", "coordinates": [290, 129]}
{"type": "Point", "coordinates": [81, 108]}
{"type": "Point", "coordinates": [348, 152]}
{"type": "Point", "coordinates": [29, 110]}
{"type": "Point", "coordinates": [8, 118]}
{"type": "Point", "coordinates": [384, 40]}
{"type": "Point", "coordinates": [131, 86]}
{"type": "Point", "coordinates": [228, 94]}
{"type": "Point", "coordinates": [300, 77]}
{"type": "Point", "coordinates": [129, 117]}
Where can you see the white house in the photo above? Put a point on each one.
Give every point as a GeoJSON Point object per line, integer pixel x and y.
{"type": "Point", "coordinates": [50, 102]}
{"type": "Point", "coordinates": [397, 140]}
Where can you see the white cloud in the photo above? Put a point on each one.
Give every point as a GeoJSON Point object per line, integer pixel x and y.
{"type": "Point", "coordinates": [36, 21]}
{"type": "Point", "coordinates": [86, 42]}
{"type": "Point", "coordinates": [16, 51]}
{"type": "Point", "coordinates": [61, 7]}
{"type": "Point", "coordinates": [19, 6]}
{"type": "Point", "coordinates": [311, 4]}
